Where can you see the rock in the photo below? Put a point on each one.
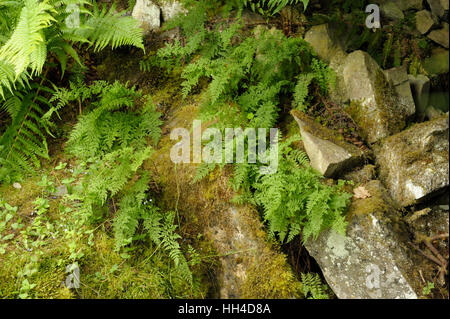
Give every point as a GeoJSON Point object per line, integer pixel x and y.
{"type": "Point", "coordinates": [424, 21]}
{"type": "Point", "coordinates": [420, 85]}
{"type": "Point", "coordinates": [391, 11]}
{"type": "Point", "coordinates": [148, 13]}
{"type": "Point", "coordinates": [432, 112]}
{"type": "Point", "coordinates": [414, 164]}
{"type": "Point", "coordinates": [170, 9]}
{"type": "Point", "coordinates": [430, 222]}
{"type": "Point", "coordinates": [17, 186]}
{"type": "Point", "coordinates": [60, 191]}
{"type": "Point", "coordinates": [372, 260]}
{"type": "Point", "coordinates": [399, 79]}
{"type": "Point", "coordinates": [440, 36]}
{"type": "Point", "coordinates": [361, 176]}
{"type": "Point", "coordinates": [372, 99]}
{"type": "Point", "coordinates": [323, 41]}
{"type": "Point", "coordinates": [445, 4]}
{"type": "Point", "coordinates": [436, 7]}
{"type": "Point", "coordinates": [328, 154]}
{"type": "Point", "coordinates": [438, 63]}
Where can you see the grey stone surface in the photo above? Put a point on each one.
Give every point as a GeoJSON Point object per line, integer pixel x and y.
{"type": "Point", "coordinates": [373, 100]}
{"type": "Point", "coordinates": [440, 36]}
{"type": "Point", "coordinates": [391, 11]}
{"type": "Point", "coordinates": [148, 13]}
{"type": "Point", "coordinates": [170, 9]}
{"type": "Point", "coordinates": [424, 21]}
{"type": "Point", "coordinates": [414, 164]}
{"type": "Point", "coordinates": [436, 7]}
{"type": "Point", "coordinates": [399, 79]}
{"type": "Point", "coordinates": [371, 261]}
{"type": "Point", "coordinates": [438, 62]}
{"type": "Point", "coordinates": [327, 154]}
{"type": "Point", "coordinates": [321, 38]}
{"type": "Point", "coordinates": [420, 86]}
{"type": "Point", "coordinates": [60, 191]}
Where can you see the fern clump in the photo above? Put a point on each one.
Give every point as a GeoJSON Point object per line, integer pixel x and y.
{"type": "Point", "coordinates": [30, 32]}
{"type": "Point", "coordinates": [313, 288]}
{"type": "Point", "coordinates": [293, 200]}
{"type": "Point", "coordinates": [113, 140]}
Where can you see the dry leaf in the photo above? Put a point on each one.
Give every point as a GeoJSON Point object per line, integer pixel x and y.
{"type": "Point", "coordinates": [361, 193]}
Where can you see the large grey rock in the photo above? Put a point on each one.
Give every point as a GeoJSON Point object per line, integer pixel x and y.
{"type": "Point", "coordinates": [373, 103]}
{"type": "Point", "coordinates": [372, 261]}
{"type": "Point", "coordinates": [440, 36]}
{"type": "Point", "coordinates": [438, 62]}
{"type": "Point", "coordinates": [148, 13]}
{"type": "Point", "coordinates": [391, 11]}
{"type": "Point", "coordinates": [420, 85]}
{"type": "Point", "coordinates": [321, 38]}
{"type": "Point", "coordinates": [398, 77]}
{"type": "Point", "coordinates": [171, 8]}
{"type": "Point", "coordinates": [424, 21]}
{"type": "Point", "coordinates": [414, 164]}
{"type": "Point", "coordinates": [328, 154]}
{"type": "Point", "coordinates": [436, 7]}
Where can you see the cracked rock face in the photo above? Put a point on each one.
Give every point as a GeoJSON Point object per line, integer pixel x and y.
{"type": "Point", "coordinates": [414, 164]}
{"type": "Point", "coordinates": [371, 261]}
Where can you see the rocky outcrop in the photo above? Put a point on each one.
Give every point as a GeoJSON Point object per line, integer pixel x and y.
{"type": "Point", "coordinates": [420, 86]}
{"type": "Point", "coordinates": [373, 103]}
{"type": "Point", "coordinates": [151, 13]}
{"type": "Point", "coordinates": [328, 154]}
{"type": "Point", "coordinates": [148, 14]}
{"type": "Point", "coordinates": [325, 44]}
{"type": "Point", "coordinates": [398, 77]}
{"type": "Point", "coordinates": [440, 36]}
{"type": "Point", "coordinates": [414, 164]}
{"type": "Point", "coordinates": [424, 21]}
{"type": "Point", "coordinates": [372, 261]}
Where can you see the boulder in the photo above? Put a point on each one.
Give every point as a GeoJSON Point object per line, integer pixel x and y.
{"type": "Point", "coordinates": [420, 85]}
{"type": "Point", "coordinates": [148, 14]}
{"type": "Point", "coordinates": [437, 7]}
{"type": "Point", "coordinates": [373, 104]}
{"type": "Point", "coordinates": [398, 77]}
{"type": "Point", "coordinates": [372, 261]}
{"type": "Point", "coordinates": [424, 21]}
{"type": "Point", "coordinates": [437, 63]}
{"type": "Point", "coordinates": [170, 9]}
{"type": "Point", "coordinates": [414, 164]}
{"type": "Point", "coordinates": [328, 153]}
{"type": "Point", "coordinates": [440, 36]}
{"type": "Point", "coordinates": [391, 11]}
{"type": "Point", "coordinates": [362, 175]}
{"type": "Point", "coordinates": [321, 38]}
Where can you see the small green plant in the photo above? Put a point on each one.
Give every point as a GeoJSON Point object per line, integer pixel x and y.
{"type": "Point", "coordinates": [312, 287]}
{"type": "Point", "coordinates": [428, 288]}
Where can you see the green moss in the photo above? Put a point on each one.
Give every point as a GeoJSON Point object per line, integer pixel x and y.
{"type": "Point", "coordinates": [271, 278]}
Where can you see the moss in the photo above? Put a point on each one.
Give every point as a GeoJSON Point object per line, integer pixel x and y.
{"type": "Point", "coordinates": [271, 278]}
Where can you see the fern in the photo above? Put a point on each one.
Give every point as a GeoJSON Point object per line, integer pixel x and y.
{"type": "Point", "coordinates": [272, 7]}
{"type": "Point", "coordinates": [24, 141]}
{"type": "Point", "coordinates": [295, 201]}
{"type": "Point", "coordinates": [312, 287]}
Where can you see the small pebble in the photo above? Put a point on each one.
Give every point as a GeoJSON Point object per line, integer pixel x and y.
{"type": "Point", "coordinates": [17, 186]}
